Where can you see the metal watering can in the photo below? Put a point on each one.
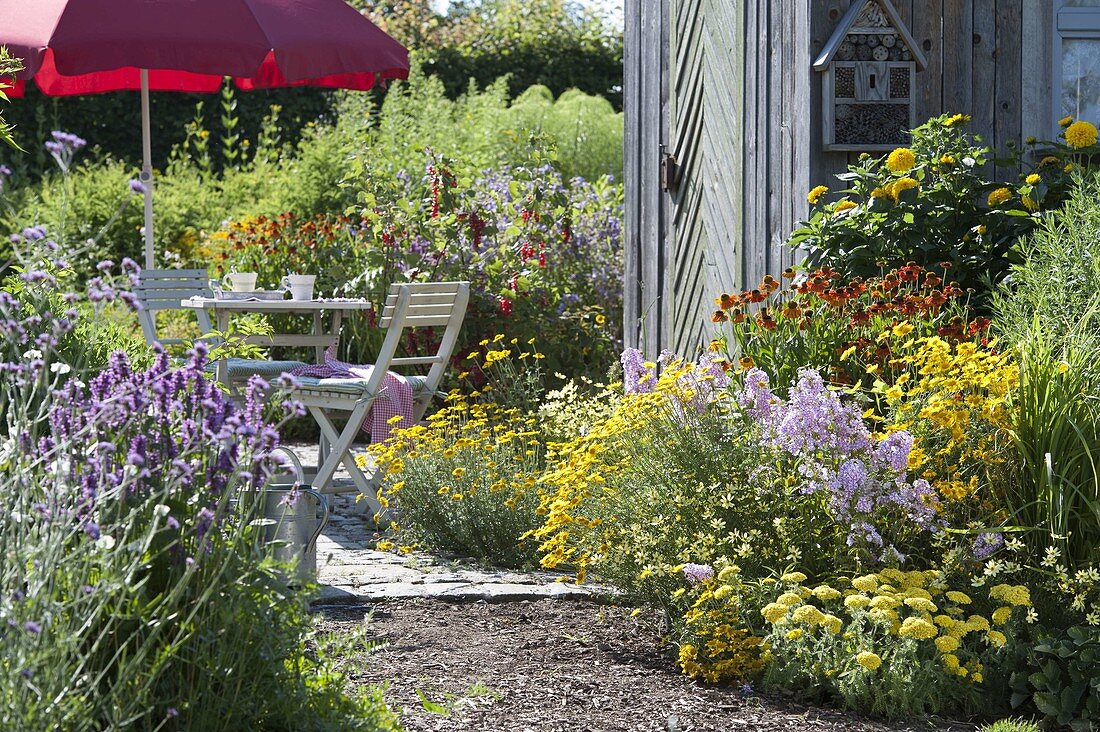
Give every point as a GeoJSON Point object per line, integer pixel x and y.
{"type": "Point", "coordinates": [294, 515]}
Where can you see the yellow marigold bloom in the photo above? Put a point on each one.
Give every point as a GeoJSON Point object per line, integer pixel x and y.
{"type": "Point", "coordinates": [946, 643]}
{"type": "Point", "coordinates": [921, 605]}
{"type": "Point", "coordinates": [1065, 122]}
{"type": "Point", "coordinates": [384, 546]}
{"type": "Point", "coordinates": [794, 633]}
{"type": "Point", "coordinates": [1001, 615]}
{"type": "Point", "coordinates": [901, 160]}
{"type": "Point", "coordinates": [1034, 179]}
{"type": "Point", "coordinates": [815, 195]}
{"type": "Point", "coordinates": [881, 192]}
{"type": "Point", "coordinates": [947, 160]}
{"type": "Point", "coordinates": [1081, 134]}
{"type": "Point", "coordinates": [826, 593]}
{"type": "Point", "coordinates": [866, 583]}
{"type": "Point", "coordinates": [789, 599]}
{"type": "Point", "coordinates": [844, 205]}
{"type": "Point", "coordinates": [959, 598]}
{"type": "Point", "coordinates": [917, 628]}
{"type": "Point", "coordinates": [773, 612]}
{"type": "Point", "coordinates": [900, 186]}
{"type": "Point", "coordinates": [956, 120]}
{"type": "Point", "coordinates": [997, 638]}
{"type": "Point", "coordinates": [999, 196]}
{"type": "Point", "coordinates": [976, 677]}
{"type": "Point", "coordinates": [856, 602]}
{"type": "Point", "coordinates": [796, 577]}
{"type": "Point", "coordinates": [950, 661]}
{"type": "Point", "coordinates": [868, 660]}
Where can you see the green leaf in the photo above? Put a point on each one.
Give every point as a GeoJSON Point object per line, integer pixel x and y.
{"type": "Point", "coordinates": [1046, 703]}
{"type": "Point", "coordinates": [432, 707]}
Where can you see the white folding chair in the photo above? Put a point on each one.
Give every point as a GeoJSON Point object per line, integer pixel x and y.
{"type": "Point", "coordinates": [428, 304]}
{"type": "Point", "coordinates": [163, 289]}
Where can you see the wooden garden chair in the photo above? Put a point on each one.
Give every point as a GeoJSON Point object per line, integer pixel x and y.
{"type": "Point", "coordinates": [163, 289]}
{"type": "Point", "coordinates": [428, 304]}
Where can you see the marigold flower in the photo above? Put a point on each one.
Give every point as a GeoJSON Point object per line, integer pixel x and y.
{"type": "Point", "coordinates": [1034, 179]}
{"type": "Point", "coordinates": [901, 160]}
{"type": "Point", "coordinates": [815, 195]}
{"type": "Point", "coordinates": [1081, 134]}
{"type": "Point", "coordinates": [901, 185]}
{"type": "Point", "coordinates": [844, 205]}
{"type": "Point", "coordinates": [881, 192]}
{"type": "Point", "coordinates": [999, 196]}
{"type": "Point", "coordinates": [1065, 122]}
{"type": "Point", "coordinates": [956, 120]}
{"type": "Point", "coordinates": [868, 660]}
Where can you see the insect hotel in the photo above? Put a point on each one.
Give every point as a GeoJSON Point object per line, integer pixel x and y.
{"type": "Point", "coordinates": [869, 81]}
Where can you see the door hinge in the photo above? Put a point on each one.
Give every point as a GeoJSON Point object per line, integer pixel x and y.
{"type": "Point", "coordinates": [670, 173]}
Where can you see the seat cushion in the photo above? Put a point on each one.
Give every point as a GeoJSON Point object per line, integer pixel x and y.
{"type": "Point", "coordinates": [243, 368]}
{"type": "Point", "coordinates": [358, 387]}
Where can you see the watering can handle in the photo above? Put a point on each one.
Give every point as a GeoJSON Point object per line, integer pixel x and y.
{"type": "Point", "coordinates": [299, 473]}
{"type": "Point", "coordinates": [324, 514]}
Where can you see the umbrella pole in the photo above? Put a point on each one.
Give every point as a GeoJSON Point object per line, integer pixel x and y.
{"type": "Point", "coordinates": [147, 167]}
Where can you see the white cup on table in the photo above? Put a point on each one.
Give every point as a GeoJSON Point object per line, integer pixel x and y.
{"type": "Point", "coordinates": [240, 281]}
{"type": "Point", "coordinates": [300, 287]}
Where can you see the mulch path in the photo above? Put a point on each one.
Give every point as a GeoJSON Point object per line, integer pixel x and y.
{"type": "Point", "coordinates": [556, 666]}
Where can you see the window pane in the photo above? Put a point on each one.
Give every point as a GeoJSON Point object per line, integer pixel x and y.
{"type": "Point", "coordinates": [1081, 77]}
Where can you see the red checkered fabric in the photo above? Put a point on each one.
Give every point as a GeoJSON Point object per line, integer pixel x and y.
{"type": "Point", "coordinates": [396, 399]}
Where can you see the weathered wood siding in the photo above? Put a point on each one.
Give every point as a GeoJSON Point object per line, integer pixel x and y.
{"type": "Point", "coordinates": [726, 87]}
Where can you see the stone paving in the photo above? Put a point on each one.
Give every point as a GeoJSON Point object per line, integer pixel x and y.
{"type": "Point", "coordinates": [350, 571]}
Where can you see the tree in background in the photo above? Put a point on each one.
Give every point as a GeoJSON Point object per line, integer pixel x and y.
{"type": "Point", "coordinates": [559, 44]}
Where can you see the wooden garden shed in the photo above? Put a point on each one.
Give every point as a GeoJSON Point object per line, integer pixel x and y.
{"type": "Point", "coordinates": [725, 123]}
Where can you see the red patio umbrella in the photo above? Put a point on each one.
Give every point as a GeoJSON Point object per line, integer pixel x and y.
{"type": "Point", "coordinates": [92, 46]}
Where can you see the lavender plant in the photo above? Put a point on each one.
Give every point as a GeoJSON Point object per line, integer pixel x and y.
{"type": "Point", "coordinates": [135, 591]}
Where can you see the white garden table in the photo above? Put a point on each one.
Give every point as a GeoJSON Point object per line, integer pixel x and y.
{"type": "Point", "coordinates": [318, 337]}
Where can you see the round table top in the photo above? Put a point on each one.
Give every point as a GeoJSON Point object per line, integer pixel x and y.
{"type": "Point", "coordinates": [287, 306]}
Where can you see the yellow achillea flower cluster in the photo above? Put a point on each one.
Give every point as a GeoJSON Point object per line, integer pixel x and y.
{"type": "Point", "coordinates": [913, 605]}
{"type": "Point", "coordinates": [958, 409]}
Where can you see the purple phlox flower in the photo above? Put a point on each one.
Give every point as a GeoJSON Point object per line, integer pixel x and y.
{"type": "Point", "coordinates": [32, 627]}
{"type": "Point", "coordinates": [696, 573]}
{"type": "Point", "coordinates": [172, 523]}
{"type": "Point", "coordinates": [988, 544]}
{"type": "Point", "coordinates": [757, 396]}
{"type": "Point", "coordinates": [129, 266]}
{"type": "Point", "coordinates": [745, 689]}
{"type": "Point", "coordinates": [34, 233]}
{"type": "Point", "coordinates": [894, 451]}
{"type": "Point", "coordinates": [105, 265]}
{"type": "Point", "coordinates": [91, 528]}
{"type": "Point", "coordinates": [137, 186]}
{"type": "Point", "coordinates": [638, 377]}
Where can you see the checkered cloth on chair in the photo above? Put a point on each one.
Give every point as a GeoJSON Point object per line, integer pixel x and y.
{"type": "Point", "coordinates": [396, 399]}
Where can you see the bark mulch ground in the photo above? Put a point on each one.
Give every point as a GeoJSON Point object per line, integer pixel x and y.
{"type": "Point", "coordinates": [556, 666]}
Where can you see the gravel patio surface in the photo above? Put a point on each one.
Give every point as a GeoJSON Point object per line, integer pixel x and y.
{"type": "Point", "coordinates": [556, 666]}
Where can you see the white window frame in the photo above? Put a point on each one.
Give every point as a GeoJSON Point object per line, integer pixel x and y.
{"type": "Point", "coordinates": [1070, 22]}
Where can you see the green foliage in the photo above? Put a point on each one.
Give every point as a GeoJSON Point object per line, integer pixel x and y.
{"type": "Point", "coordinates": [8, 67]}
{"type": "Point", "coordinates": [934, 202]}
{"type": "Point", "coordinates": [1011, 725]}
{"type": "Point", "coordinates": [1064, 678]}
{"type": "Point", "coordinates": [559, 44]}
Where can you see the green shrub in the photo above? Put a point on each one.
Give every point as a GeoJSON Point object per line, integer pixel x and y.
{"type": "Point", "coordinates": [1063, 679]}
{"type": "Point", "coordinates": [1011, 725]}
{"type": "Point", "coordinates": [934, 202]}
{"type": "Point", "coordinates": [465, 483]}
